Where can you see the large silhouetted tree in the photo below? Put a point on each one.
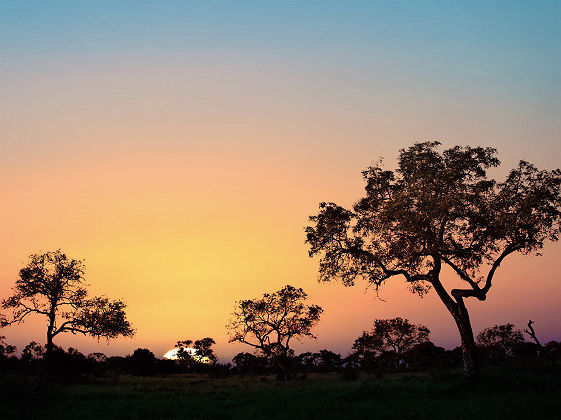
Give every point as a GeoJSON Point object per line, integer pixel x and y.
{"type": "Point", "coordinates": [270, 323]}
{"type": "Point", "coordinates": [52, 285]}
{"type": "Point", "coordinates": [435, 210]}
{"type": "Point", "coordinates": [395, 336]}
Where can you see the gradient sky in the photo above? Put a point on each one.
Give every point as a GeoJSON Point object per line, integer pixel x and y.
{"type": "Point", "coordinates": [179, 147]}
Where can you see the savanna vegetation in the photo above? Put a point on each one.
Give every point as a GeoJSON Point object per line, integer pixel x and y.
{"type": "Point", "coordinates": [436, 210]}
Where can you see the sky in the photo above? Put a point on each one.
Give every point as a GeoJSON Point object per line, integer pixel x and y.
{"type": "Point", "coordinates": [179, 147]}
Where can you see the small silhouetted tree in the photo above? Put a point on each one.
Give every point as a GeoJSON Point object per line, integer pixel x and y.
{"type": "Point", "coordinates": [268, 324]}
{"type": "Point", "coordinates": [33, 351]}
{"type": "Point", "coordinates": [532, 333]}
{"type": "Point", "coordinates": [427, 355]}
{"type": "Point", "coordinates": [204, 349]}
{"type": "Point", "coordinates": [328, 360]}
{"type": "Point", "coordinates": [97, 357]}
{"type": "Point", "coordinates": [52, 285]}
{"type": "Point", "coordinates": [196, 352]}
{"type": "Point", "coordinates": [247, 363]}
{"type": "Point", "coordinates": [184, 350]}
{"type": "Point", "coordinates": [436, 210]}
{"type": "Point", "coordinates": [308, 361]}
{"type": "Point", "coordinates": [6, 350]}
{"type": "Point", "coordinates": [395, 336]}
{"type": "Point", "coordinates": [553, 349]}
{"type": "Point", "coordinates": [502, 338]}
{"type": "Point", "coordinates": [7, 355]}
{"type": "Point", "coordinates": [142, 362]}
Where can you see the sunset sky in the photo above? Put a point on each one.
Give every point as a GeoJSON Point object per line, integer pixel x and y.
{"type": "Point", "coordinates": [179, 148]}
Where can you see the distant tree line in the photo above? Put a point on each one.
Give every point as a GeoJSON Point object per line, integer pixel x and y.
{"type": "Point", "coordinates": [393, 345]}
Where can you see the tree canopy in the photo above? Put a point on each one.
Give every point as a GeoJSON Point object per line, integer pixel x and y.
{"type": "Point", "coordinates": [438, 209]}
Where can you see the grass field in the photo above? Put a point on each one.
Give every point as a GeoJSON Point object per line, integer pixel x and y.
{"type": "Point", "coordinates": [508, 393]}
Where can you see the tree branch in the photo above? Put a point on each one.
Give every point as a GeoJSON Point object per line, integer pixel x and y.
{"type": "Point", "coordinates": [439, 288]}
{"type": "Point", "coordinates": [532, 333]}
{"type": "Point", "coordinates": [461, 273]}
{"type": "Point", "coordinates": [508, 250]}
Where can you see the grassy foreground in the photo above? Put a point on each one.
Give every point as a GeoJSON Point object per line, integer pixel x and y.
{"type": "Point", "coordinates": [508, 393]}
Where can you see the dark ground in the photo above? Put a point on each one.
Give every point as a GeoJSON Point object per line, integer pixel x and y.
{"type": "Point", "coordinates": [513, 393]}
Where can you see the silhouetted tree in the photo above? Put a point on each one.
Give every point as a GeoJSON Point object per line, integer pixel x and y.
{"type": "Point", "coordinates": [324, 361]}
{"type": "Point", "coordinates": [532, 333]}
{"type": "Point", "coordinates": [97, 357]}
{"type": "Point", "coordinates": [194, 353]}
{"type": "Point", "coordinates": [247, 363]}
{"type": "Point", "coordinates": [185, 350]}
{"type": "Point", "coordinates": [501, 338]}
{"type": "Point", "coordinates": [33, 351]}
{"type": "Point", "coordinates": [6, 350]}
{"type": "Point", "coordinates": [270, 323]}
{"type": "Point", "coordinates": [553, 349]}
{"type": "Point", "coordinates": [308, 361]}
{"type": "Point", "coordinates": [7, 355]}
{"type": "Point", "coordinates": [204, 350]}
{"type": "Point", "coordinates": [438, 210]}
{"type": "Point", "coordinates": [395, 336]}
{"type": "Point", "coordinates": [52, 285]}
{"type": "Point", "coordinates": [142, 362]}
{"type": "Point", "coordinates": [328, 360]}
{"type": "Point", "coordinates": [427, 355]}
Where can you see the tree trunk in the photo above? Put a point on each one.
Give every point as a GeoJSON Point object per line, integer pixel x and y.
{"type": "Point", "coordinates": [49, 347]}
{"type": "Point", "coordinates": [460, 314]}
{"type": "Point", "coordinates": [283, 374]}
{"type": "Point", "coordinates": [469, 350]}
{"type": "Point", "coordinates": [283, 363]}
